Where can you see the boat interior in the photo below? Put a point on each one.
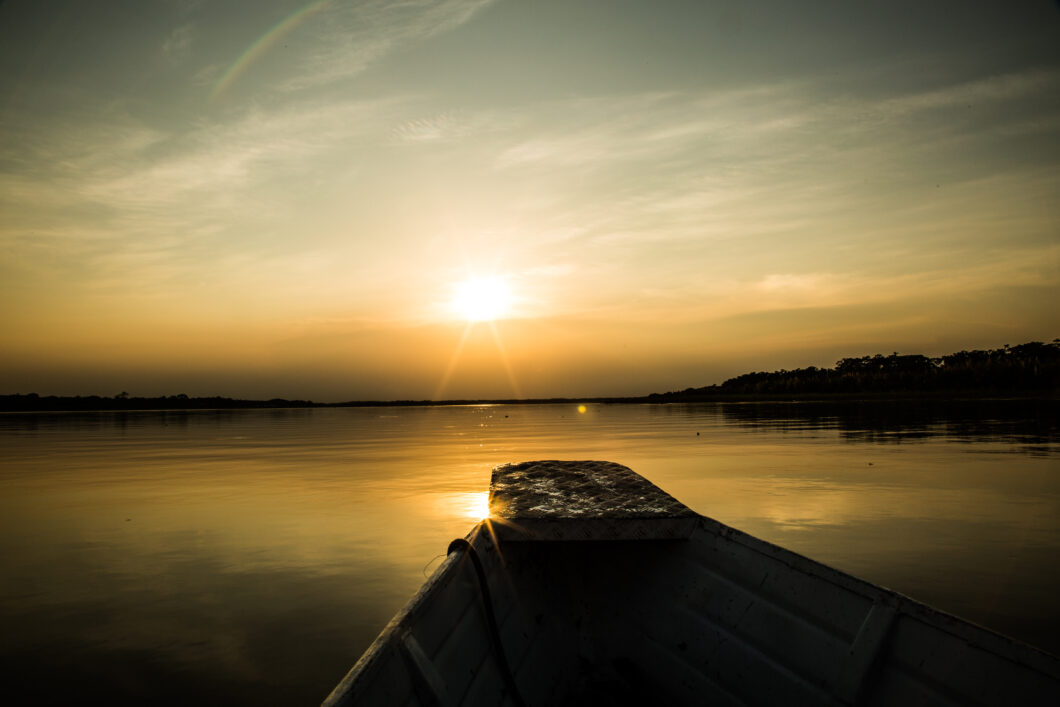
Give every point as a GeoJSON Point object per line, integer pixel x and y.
{"type": "Point", "coordinates": [707, 620]}
{"type": "Point", "coordinates": [714, 616]}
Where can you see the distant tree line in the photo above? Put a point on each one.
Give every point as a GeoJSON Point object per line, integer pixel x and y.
{"type": "Point", "coordinates": [1026, 368]}
{"type": "Point", "coordinates": [32, 402]}
{"type": "Point", "coordinates": [1031, 368]}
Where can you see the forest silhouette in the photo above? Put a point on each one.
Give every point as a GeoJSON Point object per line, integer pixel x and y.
{"type": "Point", "coordinates": [1032, 369]}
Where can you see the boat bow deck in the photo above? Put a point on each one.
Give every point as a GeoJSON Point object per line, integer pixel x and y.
{"type": "Point", "coordinates": [715, 616]}
{"type": "Point", "coordinates": [583, 500]}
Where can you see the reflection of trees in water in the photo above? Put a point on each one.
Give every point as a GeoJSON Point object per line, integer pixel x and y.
{"type": "Point", "coordinates": [31, 402]}
{"type": "Point", "coordinates": [121, 420]}
{"type": "Point", "coordinates": [1033, 424]}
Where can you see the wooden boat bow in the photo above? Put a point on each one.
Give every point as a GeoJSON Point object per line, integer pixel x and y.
{"type": "Point", "coordinates": [583, 500]}
{"type": "Point", "coordinates": [589, 584]}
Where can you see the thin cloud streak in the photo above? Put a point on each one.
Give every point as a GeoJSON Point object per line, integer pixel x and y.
{"type": "Point", "coordinates": [704, 195]}
{"type": "Point", "coordinates": [354, 35]}
{"type": "Point", "coordinates": [185, 186]}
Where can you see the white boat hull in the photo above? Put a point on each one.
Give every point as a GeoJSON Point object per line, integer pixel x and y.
{"type": "Point", "coordinates": [716, 617]}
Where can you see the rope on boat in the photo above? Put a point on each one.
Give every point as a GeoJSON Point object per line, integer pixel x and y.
{"type": "Point", "coordinates": [491, 619]}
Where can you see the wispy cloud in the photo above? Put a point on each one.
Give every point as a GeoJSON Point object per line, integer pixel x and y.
{"type": "Point", "coordinates": [117, 192]}
{"type": "Point", "coordinates": [178, 43]}
{"type": "Point", "coordinates": [443, 127]}
{"type": "Point", "coordinates": [779, 147]}
{"type": "Point", "coordinates": [351, 36]}
{"type": "Point", "coordinates": [691, 205]}
{"type": "Point", "coordinates": [976, 93]}
{"type": "Point", "coordinates": [713, 194]}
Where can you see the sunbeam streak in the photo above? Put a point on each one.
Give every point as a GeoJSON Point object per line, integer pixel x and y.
{"type": "Point", "coordinates": [504, 360]}
{"type": "Point", "coordinates": [453, 360]}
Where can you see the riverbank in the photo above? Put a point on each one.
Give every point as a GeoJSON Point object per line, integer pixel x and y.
{"type": "Point", "coordinates": [94, 403]}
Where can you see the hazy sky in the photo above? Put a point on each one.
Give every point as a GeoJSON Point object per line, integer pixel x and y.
{"type": "Point", "coordinates": [270, 198]}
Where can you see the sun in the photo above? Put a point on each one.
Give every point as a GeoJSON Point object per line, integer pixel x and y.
{"type": "Point", "coordinates": [482, 299]}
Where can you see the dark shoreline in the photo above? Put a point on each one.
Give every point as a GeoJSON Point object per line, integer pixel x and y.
{"type": "Point", "coordinates": [1029, 371]}
{"type": "Point", "coordinates": [35, 403]}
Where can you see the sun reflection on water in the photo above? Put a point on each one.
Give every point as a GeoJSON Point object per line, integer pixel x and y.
{"type": "Point", "coordinates": [475, 506]}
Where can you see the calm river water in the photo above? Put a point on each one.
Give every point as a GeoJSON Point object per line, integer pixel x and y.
{"type": "Point", "coordinates": [250, 556]}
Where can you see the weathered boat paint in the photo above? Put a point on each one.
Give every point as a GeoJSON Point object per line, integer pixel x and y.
{"type": "Point", "coordinates": [605, 588]}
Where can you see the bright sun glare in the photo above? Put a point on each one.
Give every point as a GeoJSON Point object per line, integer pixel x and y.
{"type": "Point", "coordinates": [477, 505]}
{"type": "Point", "coordinates": [482, 299]}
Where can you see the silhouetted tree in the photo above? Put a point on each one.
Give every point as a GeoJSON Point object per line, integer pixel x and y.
{"type": "Point", "coordinates": [1034, 366]}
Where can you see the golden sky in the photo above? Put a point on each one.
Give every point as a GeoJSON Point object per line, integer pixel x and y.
{"type": "Point", "coordinates": [290, 199]}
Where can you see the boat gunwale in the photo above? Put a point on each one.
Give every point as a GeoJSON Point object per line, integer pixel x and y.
{"type": "Point", "coordinates": [1017, 651]}
{"type": "Point", "coordinates": [371, 659]}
